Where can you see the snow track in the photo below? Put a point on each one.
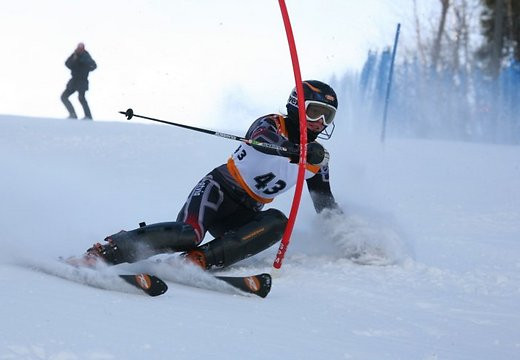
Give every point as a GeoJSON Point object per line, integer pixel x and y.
{"type": "Point", "coordinates": [436, 225]}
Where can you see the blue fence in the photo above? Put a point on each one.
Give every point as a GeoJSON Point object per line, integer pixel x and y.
{"type": "Point", "coordinates": [424, 103]}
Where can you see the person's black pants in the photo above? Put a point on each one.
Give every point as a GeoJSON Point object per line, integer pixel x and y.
{"type": "Point", "coordinates": [82, 100]}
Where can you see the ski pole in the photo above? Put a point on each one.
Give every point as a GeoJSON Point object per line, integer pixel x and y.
{"type": "Point", "coordinates": [130, 114]}
{"type": "Point", "coordinates": [389, 83]}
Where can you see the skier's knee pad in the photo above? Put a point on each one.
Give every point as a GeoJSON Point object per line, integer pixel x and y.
{"type": "Point", "coordinates": [261, 233]}
{"type": "Point", "coordinates": [148, 240]}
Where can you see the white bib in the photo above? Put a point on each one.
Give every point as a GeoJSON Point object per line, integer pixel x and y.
{"type": "Point", "coordinates": [264, 176]}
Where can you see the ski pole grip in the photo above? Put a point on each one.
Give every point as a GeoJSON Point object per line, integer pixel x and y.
{"type": "Point", "coordinates": [128, 113]}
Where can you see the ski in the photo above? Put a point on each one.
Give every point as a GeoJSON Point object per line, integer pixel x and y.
{"type": "Point", "coordinates": [150, 284]}
{"type": "Point", "coordinates": [259, 285]}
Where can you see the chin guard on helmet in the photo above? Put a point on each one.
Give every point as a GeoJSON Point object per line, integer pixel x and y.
{"type": "Point", "coordinates": [326, 133]}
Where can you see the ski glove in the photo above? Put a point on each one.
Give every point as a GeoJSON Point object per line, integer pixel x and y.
{"type": "Point", "coordinates": [316, 154]}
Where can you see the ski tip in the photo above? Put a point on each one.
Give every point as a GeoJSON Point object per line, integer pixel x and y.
{"type": "Point", "coordinates": [150, 284]}
{"type": "Point", "coordinates": [259, 284]}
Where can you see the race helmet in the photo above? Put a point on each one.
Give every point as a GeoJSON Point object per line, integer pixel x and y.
{"type": "Point", "coordinates": [321, 104]}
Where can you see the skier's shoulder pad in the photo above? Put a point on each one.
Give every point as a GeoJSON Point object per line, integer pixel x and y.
{"type": "Point", "coordinates": [273, 123]}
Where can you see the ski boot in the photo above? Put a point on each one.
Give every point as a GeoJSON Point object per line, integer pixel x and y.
{"type": "Point", "coordinates": [139, 244]}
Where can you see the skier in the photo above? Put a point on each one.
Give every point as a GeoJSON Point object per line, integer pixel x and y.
{"type": "Point", "coordinates": [80, 64]}
{"type": "Point", "coordinates": [227, 202]}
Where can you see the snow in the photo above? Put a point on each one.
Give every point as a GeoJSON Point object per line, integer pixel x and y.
{"type": "Point", "coordinates": [438, 225]}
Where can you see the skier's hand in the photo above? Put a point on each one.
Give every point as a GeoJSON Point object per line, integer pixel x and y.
{"type": "Point", "coordinates": [295, 150]}
{"type": "Point", "coordinates": [317, 154]}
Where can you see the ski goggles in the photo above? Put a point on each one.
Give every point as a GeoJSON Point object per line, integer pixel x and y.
{"type": "Point", "coordinates": [317, 111]}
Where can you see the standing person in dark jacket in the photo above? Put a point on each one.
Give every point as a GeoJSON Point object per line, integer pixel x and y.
{"type": "Point", "coordinates": [80, 64]}
{"type": "Point", "coordinates": [228, 201]}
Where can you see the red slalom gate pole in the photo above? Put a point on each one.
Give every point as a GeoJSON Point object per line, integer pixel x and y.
{"type": "Point", "coordinates": [303, 139]}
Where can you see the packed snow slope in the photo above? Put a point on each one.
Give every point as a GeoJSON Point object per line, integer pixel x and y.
{"type": "Point", "coordinates": [436, 226]}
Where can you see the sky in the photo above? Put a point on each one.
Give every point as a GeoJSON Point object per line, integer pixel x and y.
{"type": "Point", "coordinates": [187, 61]}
